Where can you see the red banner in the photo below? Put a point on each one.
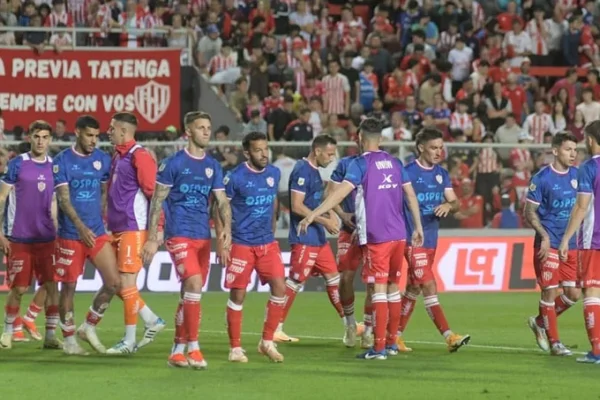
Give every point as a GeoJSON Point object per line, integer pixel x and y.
{"type": "Point", "coordinates": [64, 86]}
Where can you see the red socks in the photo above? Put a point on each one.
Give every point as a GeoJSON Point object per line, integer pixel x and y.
{"type": "Point", "coordinates": [291, 290]}
{"type": "Point", "coordinates": [180, 332]}
{"type": "Point", "coordinates": [548, 313]}
{"type": "Point", "coordinates": [380, 314]}
{"type": "Point", "coordinates": [234, 324]}
{"type": "Point", "coordinates": [274, 311]}
{"type": "Point", "coordinates": [394, 307]}
{"type": "Point", "coordinates": [333, 292]}
{"type": "Point", "coordinates": [435, 312]}
{"type": "Point", "coordinates": [191, 315]}
{"type": "Point", "coordinates": [591, 313]}
{"type": "Point", "coordinates": [406, 309]}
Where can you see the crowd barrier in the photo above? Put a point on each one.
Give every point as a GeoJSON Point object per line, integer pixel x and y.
{"type": "Point", "coordinates": [466, 261]}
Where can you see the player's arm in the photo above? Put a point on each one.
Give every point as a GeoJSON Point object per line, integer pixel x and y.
{"type": "Point", "coordinates": [104, 196]}
{"type": "Point", "coordinates": [338, 208]}
{"type": "Point", "coordinates": [223, 209]}
{"type": "Point", "coordinates": [161, 192]}
{"type": "Point", "coordinates": [298, 207]}
{"type": "Point", "coordinates": [450, 206]}
{"type": "Point", "coordinates": [275, 215]}
{"type": "Point", "coordinates": [532, 217]}
{"type": "Point", "coordinates": [338, 194]}
{"type": "Point", "coordinates": [5, 189]}
{"type": "Point", "coordinates": [413, 205]}
{"type": "Point", "coordinates": [54, 211]}
{"type": "Point", "coordinates": [63, 198]}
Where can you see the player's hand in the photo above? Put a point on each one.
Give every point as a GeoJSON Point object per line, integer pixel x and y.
{"type": "Point", "coordinates": [442, 210]}
{"type": "Point", "coordinates": [332, 225]}
{"type": "Point", "coordinates": [563, 251]}
{"type": "Point", "coordinates": [160, 237]}
{"type": "Point", "coordinates": [417, 238]}
{"type": "Point", "coordinates": [225, 238]}
{"type": "Point", "coordinates": [148, 251]}
{"type": "Point", "coordinates": [304, 224]}
{"type": "Point", "coordinates": [87, 236]}
{"type": "Point", "coordinates": [5, 245]}
{"type": "Point", "coordinates": [347, 220]}
{"type": "Point", "coordinates": [544, 247]}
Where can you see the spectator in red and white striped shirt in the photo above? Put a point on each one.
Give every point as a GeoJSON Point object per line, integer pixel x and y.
{"type": "Point", "coordinates": [337, 91]}
{"type": "Point", "coordinates": [460, 119]}
{"type": "Point", "coordinates": [539, 122]}
{"type": "Point", "coordinates": [79, 11]}
{"type": "Point", "coordinates": [59, 15]}
{"type": "Point", "coordinates": [154, 20]}
{"type": "Point", "coordinates": [224, 60]}
{"type": "Point", "coordinates": [61, 40]}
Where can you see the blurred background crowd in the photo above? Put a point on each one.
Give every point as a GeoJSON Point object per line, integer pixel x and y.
{"type": "Point", "coordinates": [496, 71]}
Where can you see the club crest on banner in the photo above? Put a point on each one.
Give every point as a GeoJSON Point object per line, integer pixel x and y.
{"type": "Point", "coordinates": [270, 181]}
{"type": "Point", "coordinates": [209, 172]}
{"type": "Point", "coordinates": [152, 100]}
{"type": "Point", "coordinates": [97, 165]}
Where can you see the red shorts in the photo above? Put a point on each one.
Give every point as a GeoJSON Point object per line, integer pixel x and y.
{"type": "Point", "coordinates": [383, 261]}
{"type": "Point", "coordinates": [28, 260]}
{"type": "Point", "coordinates": [308, 259]}
{"type": "Point", "coordinates": [553, 272]}
{"type": "Point", "coordinates": [190, 257]}
{"type": "Point", "coordinates": [590, 268]}
{"type": "Point", "coordinates": [71, 256]}
{"type": "Point", "coordinates": [349, 253]}
{"type": "Point", "coordinates": [243, 259]}
{"type": "Point", "coordinates": [420, 265]}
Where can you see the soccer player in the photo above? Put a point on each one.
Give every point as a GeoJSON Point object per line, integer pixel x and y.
{"type": "Point", "coordinates": [311, 252]}
{"type": "Point", "coordinates": [184, 184]}
{"type": "Point", "coordinates": [381, 183]}
{"type": "Point", "coordinates": [349, 256]}
{"type": "Point", "coordinates": [437, 199]}
{"type": "Point", "coordinates": [80, 176]}
{"type": "Point", "coordinates": [130, 187]}
{"type": "Point", "coordinates": [252, 192]}
{"type": "Point", "coordinates": [30, 233]}
{"type": "Point", "coordinates": [551, 197]}
{"type": "Point", "coordinates": [588, 241]}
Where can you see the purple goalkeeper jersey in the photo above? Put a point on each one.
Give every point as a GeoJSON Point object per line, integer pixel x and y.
{"type": "Point", "coordinates": [379, 179]}
{"type": "Point", "coordinates": [588, 183]}
{"type": "Point", "coordinates": [28, 212]}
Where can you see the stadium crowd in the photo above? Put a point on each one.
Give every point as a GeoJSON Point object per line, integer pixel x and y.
{"type": "Point", "coordinates": [295, 69]}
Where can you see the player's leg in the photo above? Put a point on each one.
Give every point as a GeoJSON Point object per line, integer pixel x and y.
{"type": "Point", "coordinates": [237, 276]}
{"type": "Point", "coordinates": [536, 324]}
{"type": "Point", "coordinates": [590, 275]}
{"type": "Point", "coordinates": [393, 295]}
{"type": "Point", "coordinates": [70, 260]}
{"type": "Point", "coordinates": [105, 261]}
{"type": "Point", "coordinates": [326, 266]}
{"type": "Point", "coordinates": [302, 261]}
{"type": "Point", "coordinates": [269, 266]}
{"type": "Point", "coordinates": [44, 273]}
{"type": "Point", "coordinates": [570, 282]}
{"type": "Point", "coordinates": [348, 260]}
{"type": "Point", "coordinates": [377, 259]}
{"type": "Point", "coordinates": [366, 339]}
{"type": "Point", "coordinates": [19, 274]}
{"type": "Point", "coordinates": [35, 307]}
{"type": "Point", "coordinates": [411, 293]}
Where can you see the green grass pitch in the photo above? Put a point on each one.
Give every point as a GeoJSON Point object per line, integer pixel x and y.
{"type": "Point", "coordinates": [502, 361]}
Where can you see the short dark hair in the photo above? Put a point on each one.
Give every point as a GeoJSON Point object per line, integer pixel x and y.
{"type": "Point", "coordinates": [304, 111]}
{"type": "Point", "coordinates": [370, 127]}
{"type": "Point", "coordinates": [593, 129]}
{"type": "Point", "coordinates": [125, 117]}
{"type": "Point", "coordinates": [322, 141]}
{"type": "Point", "coordinates": [87, 121]}
{"type": "Point", "coordinates": [224, 129]}
{"type": "Point", "coordinates": [427, 134]}
{"type": "Point", "coordinates": [194, 115]}
{"type": "Point", "coordinates": [62, 121]}
{"type": "Point", "coordinates": [39, 125]}
{"type": "Point", "coordinates": [252, 137]}
{"type": "Point", "coordinates": [561, 137]}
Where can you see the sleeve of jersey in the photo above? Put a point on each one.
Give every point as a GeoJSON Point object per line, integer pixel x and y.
{"type": "Point", "coordinates": [146, 171]}
{"type": "Point", "coordinates": [228, 181]}
{"type": "Point", "coordinates": [447, 181]}
{"type": "Point", "coordinates": [585, 179]}
{"type": "Point", "coordinates": [338, 174]}
{"type": "Point", "coordinates": [106, 163]}
{"type": "Point", "coordinates": [218, 181]}
{"type": "Point", "coordinates": [298, 180]}
{"type": "Point", "coordinates": [59, 172]}
{"type": "Point", "coordinates": [355, 172]}
{"type": "Point", "coordinates": [12, 172]}
{"type": "Point", "coordinates": [166, 173]}
{"type": "Point", "coordinates": [534, 193]}
{"type": "Point", "coordinates": [405, 177]}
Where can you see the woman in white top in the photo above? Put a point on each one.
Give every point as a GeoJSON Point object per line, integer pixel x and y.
{"type": "Point", "coordinates": [559, 116]}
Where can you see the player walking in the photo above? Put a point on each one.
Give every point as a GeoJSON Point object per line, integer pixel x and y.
{"type": "Point", "coordinates": [130, 186]}
{"type": "Point", "coordinates": [252, 192]}
{"type": "Point", "coordinates": [550, 199]}
{"type": "Point", "coordinates": [585, 210]}
{"type": "Point", "coordinates": [184, 184]}
{"type": "Point", "coordinates": [29, 234]}
{"type": "Point", "coordinates": [381, 183]}
{"type": "Point", "coordinates": [349, 256]}
{"type": "Point", "coordinates": [437, 199]}
{"type": "Point", "coordinates": [80, 176]}
{"type": "Point", "coordinates": [310, 252]}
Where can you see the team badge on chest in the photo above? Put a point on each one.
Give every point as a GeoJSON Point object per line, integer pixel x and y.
{"type": "Point", "coordinates": [574, 183]}
{"type": "Point", "coordinates": [270, 181]}
{"type": "Point", "coordinates": [97, 165]}
{"type": "Point", "coordinates": [41, 186]}
{"type": "Point", "coordinates": [438, 178]}
{"type": "Point", "coordinates": [209, 172]}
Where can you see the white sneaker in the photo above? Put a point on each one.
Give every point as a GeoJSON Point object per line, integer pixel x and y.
{"type": "Point", "coordinates": [6, 341]}
{"type": "Point", "coordinates": [559, 349]}
{"type": "Point", "coordinates": [270, 350]}
{"type": "Point", "coordinates": [73, 348]}
{"type": "Point", "coordinates": [237, 354]}
{"type": "Point", "coordinates": [122, 348]}
{"type": "Point", "coordinates": [88, 334]}
{"type": "Point", "coordinates": [540, 334]}
{"type": "Point", "coordinates": [350, 336]}
{"type": "Point", "coordinates": [366, 340]}
{"type": "Point", "coordinates": [151, 331]}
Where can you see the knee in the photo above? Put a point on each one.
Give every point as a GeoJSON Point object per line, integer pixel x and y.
{"type": "Point", "coordinates": [278, 288]}
{"type": "Point", "coordinates": [193, 284]}
{"type": "Point", "coordinates": [414, 290]}
{"type": "Point", "coordinates": [294, 285]}
{"type": "Point", "coordinates": [428, 289]}
{"type": "Point", "coordinates": [573, 294]}
{"type": "Point", "coordinates": [18, 291]}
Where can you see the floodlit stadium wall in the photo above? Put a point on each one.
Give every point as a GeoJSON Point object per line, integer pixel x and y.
{"type": "Point", "coordinates": [487, 260]}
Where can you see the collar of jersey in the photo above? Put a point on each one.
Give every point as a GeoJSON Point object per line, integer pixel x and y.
{"type": "Point", "coordinates": [124, 148]}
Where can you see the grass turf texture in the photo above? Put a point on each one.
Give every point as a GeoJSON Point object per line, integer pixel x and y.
{"type": "Point", "coordinates": [502, 363]}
